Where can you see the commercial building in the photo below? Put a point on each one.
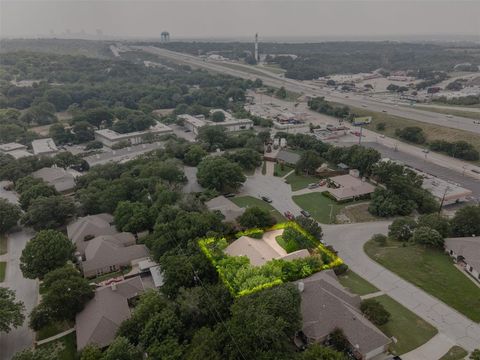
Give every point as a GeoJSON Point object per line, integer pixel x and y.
{"type": "Point", "coordinates": [326, 306]}
{"type": "Point", "coordinates": [194, 124]}
{"type": "Point", "coordinates": [110, 137]}
{"type": "Point", "coordinates": [466, 253]}
{"type": "Point", "coordinates": [45, 147]}
{"type": "Point", "coordinates": [15, 149]}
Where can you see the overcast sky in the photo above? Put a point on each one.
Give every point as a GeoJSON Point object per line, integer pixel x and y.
{"type": "Point", "coordinates": [241, 19]}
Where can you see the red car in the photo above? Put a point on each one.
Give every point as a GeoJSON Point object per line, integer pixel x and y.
{"type": "Point", "coordinates": [289, 215]}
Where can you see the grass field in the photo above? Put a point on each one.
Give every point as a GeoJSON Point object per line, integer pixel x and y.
{"type": "Point", "coordinates": [247, 201]}
{"type": "Point", "coordinates": [66, 347]}
{"type": "Point", "coordinates": [281, 173]}
{"type": "Point", "coordinates": [358, 213]}
{"type": "Point", "coordinates": [53, 329]}
{"type": "Point", "coordinates": [320, 206]}
{"type": "Point", "coordinates": [3, 268]}
{"type": "Point", "coordinates": [409, 330]}
{"type": "Point", "coordinates": [3, 244]}
{"type": "Point", "coordinates": [455, 353]}
{"type": "Point", "coordinates": [273, 68]}
{"type": "Point", "coordinates": [432, 132]}
{"type": "Point", "coordinates": [431, 270]}
{"type": "Point", "coordinates": [457, 112]}
{"type": "Point", "coordinates": [356, 284]}
{"type": "Point", "coordinates": [298, 182]}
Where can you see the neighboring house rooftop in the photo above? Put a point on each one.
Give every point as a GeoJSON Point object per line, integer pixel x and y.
{"type": "Point", "coordinates": [288, 157]}
{"type": "Point", "coordinates": [59, 178]}
{"type": "Point", "coordinates": [230, 210]}
{"type": "Point", "coordinates": [44, 146]}
{"type": "Point", "coordinates": [6, 148]}
{"type": "Point", "coordinates": [106, 250]}
{"type": "Point", "coordinates": [192, 120]}
{"type": "Point", "coordinates": [98, 322]}
{"type": "Point", "coordinates": [467, 247]}
{"type": "Point", "coordinates": [349, 187]}
{"type": "Point", "coordinates": [326, 305]}
{"type": "Point", "coordinates": [90, 226]}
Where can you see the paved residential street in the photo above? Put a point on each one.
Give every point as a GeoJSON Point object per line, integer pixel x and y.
{"type": "Point", "coordinates": [349, 239]}
{"type": "Point", "coordinates": [26, 290]}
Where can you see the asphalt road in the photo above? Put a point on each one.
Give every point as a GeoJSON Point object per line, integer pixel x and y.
{"type": "Point", "coordinates": [314, 90]}
{"type": "Point", "coordinates": [26, 290]}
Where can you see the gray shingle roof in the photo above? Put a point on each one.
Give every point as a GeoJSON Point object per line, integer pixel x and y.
{"type": "Point", "coordinates": [59, 178]}
{"type": "Point", "coordinates": [288, 157]}
{"type": "Point", "coordinates": [468, 247]}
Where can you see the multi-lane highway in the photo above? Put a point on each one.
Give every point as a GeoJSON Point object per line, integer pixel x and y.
{"type": "Point", "coordinates": [271, 79]}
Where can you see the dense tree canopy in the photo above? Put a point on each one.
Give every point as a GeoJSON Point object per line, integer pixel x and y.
{"type": "Point", "coordinates": [11, 311]}
{"type": "Point", "coordinates": [217, 172]}
{"type": "Point", "coordinates": [9, 215]}
{"type": "Point", "coordinates": [256, 217]}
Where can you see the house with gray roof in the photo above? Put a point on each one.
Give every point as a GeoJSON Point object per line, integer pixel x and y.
{"type": "Point", "coordinates": [287, 157]}
{"type": "Point", "coordinates": [107, 253]}
{"type": "Point", "coordinates": [62, 180]}
{"type": "Point", "coordinates": [44, 147]}
{"type": "Point", "coordinates": [99, 321]}
{"type": "Point", "coordinates": [327, 305]}
{"type": "Point", "coordinates": [229, 209]}
{"type": "Point", "coordinates": [87, 227]}
{"type": "Point", "coordinates": [466, 253]}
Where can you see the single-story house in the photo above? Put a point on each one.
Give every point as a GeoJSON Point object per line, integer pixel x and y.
{"type": "Point", "coordinates": [349, 187]}
{"type": "Point", "coordinates": [260, 251]}
{"type": "Point", "coordinates": [45, 147]}
{"type": "Point", "coordinates": [287, 157]}
{"type": "Point", "coordinates": [62, 180]}
{"type": "Point", "coordinates": [327, 305]}
{"type": "Point", "coordinates": [15, 149]}
{"type": "Point", "coordinates": [99, 321]}
{"type": "Point", "coordinates": [107, 253]}
{"type": "Point", "coordinates": [229, 209]}
{"type": "Point", "coordinates": [87, 227]}
{"type": "Point", "coordinates": [465, 252]}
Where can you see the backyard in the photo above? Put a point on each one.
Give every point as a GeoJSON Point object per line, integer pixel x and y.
{"type": "Point", "coordinates": [431, 270]}
{"type": "Point", "coordinates": [248, 201]}
{"type": "Point", "coordinates": [409, 330]}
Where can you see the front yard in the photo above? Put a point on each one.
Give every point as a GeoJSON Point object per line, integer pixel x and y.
{"type": "Point", "coordinates": [431, 270]}
{"type": "Point", "coordinates": [455, 353]}
{"type": "Point", "coordinates": [248, 201]}
{"type": "Point", "coordinates": [409, 330]}
{"type": "Point", "coordinates": [356, 284]}
{"type": "Point", "coordinates": [280, 170]}
{"type": "Point", "coordinates": [65, 347]}
{"type": "Point", "coordinates": [298, 182]}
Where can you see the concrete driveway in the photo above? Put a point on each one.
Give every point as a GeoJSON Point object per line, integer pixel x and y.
{"type": "Point", "coordinates": [26, 290]}
{"type": "Point", "coordinates": [349, 239]}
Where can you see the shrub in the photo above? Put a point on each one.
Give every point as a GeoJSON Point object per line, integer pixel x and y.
{"type": "Point", "coordinates": [380, 239]}
{"type": "Point", "coordinates": [374, 311]}
{"type": "Point", "coordinates": [427, 236]}
{"type": "Point", "coordinates": [402, 229]}
{"type": "Point", "coordinates": [437, 222]}
{"type": "Point", "coordinates": [381, 126]}
{"type": "Point", "coordinates": [295, 240]}
{"type": "Point", "coordinates": [340, 269]}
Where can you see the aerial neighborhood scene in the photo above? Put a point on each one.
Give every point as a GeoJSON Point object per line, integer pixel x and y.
{"type": "Point", "coordinates": [239, 180]}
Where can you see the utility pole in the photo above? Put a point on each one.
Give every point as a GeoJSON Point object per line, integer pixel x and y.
{"type": "Point", "coordinates": [360, 135]}
{"type": "Point", "coordinates": [443, 198]}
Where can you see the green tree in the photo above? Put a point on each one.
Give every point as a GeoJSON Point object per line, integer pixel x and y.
{"type": "Point", "coordinates": [281, 93]}
{"type": "Point", "coordinates": [402, 229]}
{"type": "Point", "coordinates": [59, 98]}
{"type": "Point", "coordinates": [132, 217]}
{"type": "Point", "coordinates": [338, 340]}
{"type": "Point", "coordinates": [11, 311]}
{"type": "Point", "coordinates": [25, 183]}
{"type": "Point", "coordinates": [34, 192]}
{"type": "Point", "coordinates": [308, 163]}
{"type": "Point", "coordinates": [380, 239]}
{"type": "Point", "coordinates": [36, 354]}
{"type": "Point", "coordinates": [475, 355]}
{"type": "Point", "coordinates": [9, 216]}
{"type": "Point", "coordinates": [435, 221]}
{"type": "Point", "coordinates": [413, 134]}
{"type": "Point", "coordinates": [59, 134]}
{"type": "Point", "coordinates": [466, 221]}
{"type": "Point", "coordinates": [427, 236]}
{"type": "Point", "coordinates": [248, 159]}
{"type": "Point", "coordinates": [374, 311]}
{"type": "Point", "coordinates": [220, 174]}
{"type": "Point", "coordinates": [194, 155]}
{"type": "Point", "coordinates": [49, 212]}
{"type": "Point", "coordinates": [48, 250]}
{"type": "Point", "coordinates": [311, 226]}
{"type": "Point", "coordinates": [121, 349]}
{"type": "Point", "coordinates": [91, 352]}
{"type": "Point", "coordinates": [319, 352]}
{"type": "Point", "coordinates": [218, 116]}
{"type": "Point", "coordinates": [256, 217]}
{"type": "Point", "coordinates": [212, 136]}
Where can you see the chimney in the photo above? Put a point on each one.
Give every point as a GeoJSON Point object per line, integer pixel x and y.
{"type": "Point", "coordinates": [301, 286]}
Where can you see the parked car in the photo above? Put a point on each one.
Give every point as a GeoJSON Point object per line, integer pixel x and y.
{"type": "Point", "coordinates": [289, 215]}
{"type": "Point", "coordinates": [305, 213]}
{"type": "Point", "coordinates": [266, 199]}
{"type": "Point", "coordinates": [313, 185]}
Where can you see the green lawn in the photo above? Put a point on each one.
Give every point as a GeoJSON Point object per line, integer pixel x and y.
{"type": "Point", "coordinates": [53, 329]}
{"type": "Point", "coordinates": [298, 182]}
{"type": "Point", "coordinates": [3, 267]}
{"type": "Point", "coordinates": [457, 112]}
{"type": "Point", "coordinates": [247, 201]}
{"type": "Point", "coordinates": [455, 353]}
{"type": "Point", "coordinates": [359, 212]}
{"type": "Point", "coordinates": [3, 244]}
{"type": "Point", "coordinates": [356, 284]}
{"type": "Point", "coordinates": [431, 270]}
{"type": "Point", "coordinates": [66, 347]}
{"type": "Point", "coordinates": [279, 172]}
{"type": "Point", "coordinates": [409, 330]}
